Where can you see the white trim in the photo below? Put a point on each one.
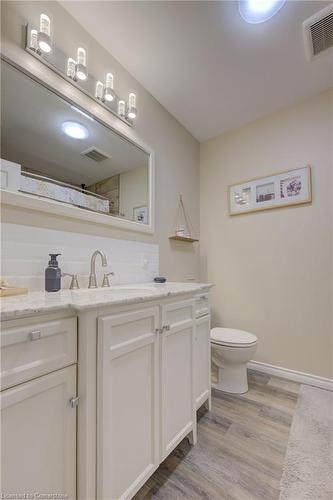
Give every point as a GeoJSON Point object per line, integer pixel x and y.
{"type": "Point", "coordinates": [37, 71]}
{"type": "Point", "coordinates": [32, 202]}
{"type": "Point", "coordinates": [301, 377]}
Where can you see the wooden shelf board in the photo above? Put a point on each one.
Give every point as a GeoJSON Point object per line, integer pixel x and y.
{"type": "Point", "coordinates": [183, 238]}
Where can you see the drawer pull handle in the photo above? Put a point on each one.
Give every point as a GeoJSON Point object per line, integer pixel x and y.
{"type": "Point", "coordinates": [74, 402]}
{"type": "Point", "coordinates": [36, 335]}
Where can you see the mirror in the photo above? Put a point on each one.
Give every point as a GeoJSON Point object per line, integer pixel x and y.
{"type": "Point", "coordinates": [54, 150]}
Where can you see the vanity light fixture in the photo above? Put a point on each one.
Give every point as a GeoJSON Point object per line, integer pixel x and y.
{"type": "Point", "coordinates": [44, 35]}
{"type": "Point", "coordinates": [75, 130]}
{"type": "Point", "coordinates": [71, 65]}
{"type": "Point", "coordinates": [38, 43]}
{"type": "Point", "coordinates": [131, 110]}
{"type": "Point", "coordinates": [259, 11]}
{"type": "Point", "coordinates": [122, 108]}
{"type": "Point", "coordinates": [108, 92]}
{"type": "Point", "coordinates": [81, 65]}
{"type": "Point", "coordinates": [99, 90]}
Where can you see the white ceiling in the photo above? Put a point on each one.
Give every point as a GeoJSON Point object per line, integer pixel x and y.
{"type": "Point", "coordinates": [204, 63]}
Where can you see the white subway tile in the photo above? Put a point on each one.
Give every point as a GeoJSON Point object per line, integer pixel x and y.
{"type": "Point", "coordinates": [25, 255]}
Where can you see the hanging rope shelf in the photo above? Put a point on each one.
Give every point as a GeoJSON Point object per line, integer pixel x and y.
{"type": "Point", "coordinates": [183, 225]}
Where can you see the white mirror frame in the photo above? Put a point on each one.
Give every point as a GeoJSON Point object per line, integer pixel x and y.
{"type": "Point", "coordinates": [43, 75]}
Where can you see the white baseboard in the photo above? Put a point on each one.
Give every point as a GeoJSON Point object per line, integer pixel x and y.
{"type": "Point", "coordinates": [301, 377]}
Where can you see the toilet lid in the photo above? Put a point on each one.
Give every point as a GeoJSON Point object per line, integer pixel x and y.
{"type": "Point", "coordinates": [232, 337]}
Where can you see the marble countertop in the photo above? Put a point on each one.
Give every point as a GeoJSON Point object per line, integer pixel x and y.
{"type": "Point", "coordinates": [43, 302]}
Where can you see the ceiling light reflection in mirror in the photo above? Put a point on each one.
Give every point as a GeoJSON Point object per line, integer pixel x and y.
{"type": "Point", "coordinates": [75, 130]}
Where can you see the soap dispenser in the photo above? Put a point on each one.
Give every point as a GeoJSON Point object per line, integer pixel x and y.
{"type": "Point", "coordinates": [53, 274]}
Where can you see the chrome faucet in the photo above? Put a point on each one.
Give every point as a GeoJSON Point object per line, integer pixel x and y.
{"type": "Point", "coordinates": [92, 277]}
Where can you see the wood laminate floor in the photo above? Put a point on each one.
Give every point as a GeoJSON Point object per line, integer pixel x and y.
{"type": "Point", "coordinates": [240, 450]}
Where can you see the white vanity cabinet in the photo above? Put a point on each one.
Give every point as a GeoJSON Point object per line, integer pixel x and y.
{"type": "Point", "coordinates": [177, 374]}
{"type": "Point", "coordinates": [145, 393]}
{"type": "Point", "coordinates": [38, 436]}
{"type": "Point", "coordinates": [140, 370]}
{"type": "Point", "coordinates": [202, 351]}
{"type": "Point", "coordinates": [202, 361]}
{"type": "Point", "coordinates": [127, 401]}
{"type": "Point", "coordinates": [38, 415]}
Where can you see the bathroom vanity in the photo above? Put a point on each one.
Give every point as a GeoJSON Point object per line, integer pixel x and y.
{"type": "Point", "coordinates": [98, 387]}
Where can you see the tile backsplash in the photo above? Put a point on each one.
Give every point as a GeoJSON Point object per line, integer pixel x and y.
{"type": "Point", "coordinates": [25, 254]}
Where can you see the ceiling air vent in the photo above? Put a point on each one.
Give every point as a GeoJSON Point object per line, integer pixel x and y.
{"type": "Point", "coordinates": [95, 154]}
{"type": "Point", "coordinates": [318, 32]}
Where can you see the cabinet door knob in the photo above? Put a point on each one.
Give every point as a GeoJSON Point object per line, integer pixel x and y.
{"type": "Point", "coordinates": [36, 335]}
{"type": "Point", "coordinates": [166, 328]}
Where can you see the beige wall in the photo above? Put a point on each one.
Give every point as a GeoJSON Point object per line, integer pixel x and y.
{"type": "Point", "coordinates": [273, 269]}
{"type": "Point", "coordinates": [133, 190]}
{"type": "Point", "coordinates": [176, 151]}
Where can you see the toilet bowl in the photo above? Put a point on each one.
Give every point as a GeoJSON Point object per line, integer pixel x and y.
{"type": "Point", "coordinates": [231, 350]}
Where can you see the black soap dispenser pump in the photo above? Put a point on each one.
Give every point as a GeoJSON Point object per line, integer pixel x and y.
{"type": "Point", "coordinates": [53, 274]}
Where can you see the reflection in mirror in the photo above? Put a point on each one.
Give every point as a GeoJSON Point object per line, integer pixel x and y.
{"type": "Point", "coordinates": [54, 150]}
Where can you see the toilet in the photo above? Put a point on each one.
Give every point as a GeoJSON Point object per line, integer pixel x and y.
{"type": "Point", "coordinates": [231, 350]}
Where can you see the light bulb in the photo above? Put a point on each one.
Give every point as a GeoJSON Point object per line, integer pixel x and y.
{"type": "Point", "coordinates": [45, 24]}
{"type": "Point", "coordinates": [131, 112]}
{"type": "Point", "coordinates": [44, 35]}
{"type": "Point", "coordinates": [122, 108]}
{"type": "Point", "coordinates": [109, 80]}
{"type": "Point", "coordinates": [71, 68]}
{"type": "Point", "coordinates": [99, 90]}
{"type": "Point", "coordinates": [81, 66]}
{"type": "Point", "coordinates": [81, 56]}
{"type": "Point", "coordinates": [34, 39]}
{"type": "Point", "coordinates": [75, 130]}
{"type": "Point", "coordinates": [108, 92]}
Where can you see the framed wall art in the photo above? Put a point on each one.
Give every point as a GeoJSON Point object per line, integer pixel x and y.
{"type": "Point", "coordinates": [292, 187]}
{"type": "Point", "coordinates": [140, 214]}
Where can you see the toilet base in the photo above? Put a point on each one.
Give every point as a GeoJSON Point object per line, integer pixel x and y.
{"type": "Point", "coordinates": [232, 378]}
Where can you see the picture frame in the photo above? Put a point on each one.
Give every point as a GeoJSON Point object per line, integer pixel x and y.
{"type": "Point", "coordinates": [282, 189]}
{"type": "Point", "coordinates": [140, 214]}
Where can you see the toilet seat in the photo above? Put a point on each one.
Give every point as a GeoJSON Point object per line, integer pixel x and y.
{"type": "Point", "coordinates": [230, 337]}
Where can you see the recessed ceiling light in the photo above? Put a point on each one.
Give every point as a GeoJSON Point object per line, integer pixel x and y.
{"type": "Point", "coordinates": [259, 11]}
{"type": "Point", "coordinates": [75, 130]}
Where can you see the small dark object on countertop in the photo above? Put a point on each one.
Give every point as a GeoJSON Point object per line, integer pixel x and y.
{"type": "Point", "coordinates": [160, 279]}
{"type": "Point", "coordinates": [53, 274]}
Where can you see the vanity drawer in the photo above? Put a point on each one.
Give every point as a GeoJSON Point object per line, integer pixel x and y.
{"type": "Point", "coordinates": [202, 305]}
{"type": "Point", "coordinates": [177, 314]}
{"type": "Point", "coordinates": [33, 350]}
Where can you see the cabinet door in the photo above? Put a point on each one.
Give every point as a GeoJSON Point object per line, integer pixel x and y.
{"type": "Point", "coordinates": [202, 361]}
{"type": "Point", "coordinates": [127, 402]}
{"type": "Point", "coordinates": [38, 436]}
{"type": "Point", "coordinates": [177, 374]}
